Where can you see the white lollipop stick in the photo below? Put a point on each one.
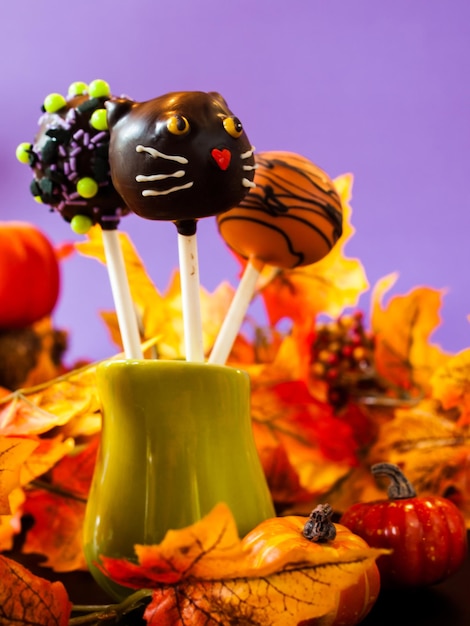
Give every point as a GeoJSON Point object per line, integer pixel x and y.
{"type": "Point", "coordinates": [190, 295]}
{"type": "Point", "coordinates": [127, 318]}
{"type": "Point", "coordinates": [236, 313]}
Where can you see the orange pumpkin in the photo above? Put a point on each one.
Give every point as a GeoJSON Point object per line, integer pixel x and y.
{"type": "Point", "coordinates": [29, 275]}
{"type": "Point", "coordinates": [273, 539]}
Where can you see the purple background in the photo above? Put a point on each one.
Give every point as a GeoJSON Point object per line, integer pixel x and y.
{"type": "Point", "coordinates": [379, 89]}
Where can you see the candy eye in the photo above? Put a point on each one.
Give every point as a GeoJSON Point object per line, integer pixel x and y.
{"type": "Point", "coordinates": [178, 125]}
{"type": "Point", "coordinates": [233, 126]}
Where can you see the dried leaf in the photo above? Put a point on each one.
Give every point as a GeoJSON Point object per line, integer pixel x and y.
{"type": "Point", "coordinates": [39, 409]}
{"type": "Point", "coordinates": [58, 509]}
{"type": "Point", "coordinates": [57, 530]}
{"type": "Point", "coordinates": [160, 314]}
{"type": "Point", "coordinates": [14, 451]}
{"type": "Point", "coordinates": [404, 355]}
{"type": "Point", "coordinates": [451, 385]}
{"type": "Point", "coordinates": [433, 452]}
{"type": "Point", "coordinates": [30, 600]}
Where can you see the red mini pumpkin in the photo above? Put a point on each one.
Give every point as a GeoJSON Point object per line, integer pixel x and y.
{"type": "Point", "coordinates": [427, 534]}
{"type": "Point", "coordinates": [274, 539]}
{"type": "Point", "coordinates": [29, 275]}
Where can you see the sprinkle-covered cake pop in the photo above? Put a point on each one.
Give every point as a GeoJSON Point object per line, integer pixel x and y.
{"type": "Point", "coordinates": [69, 158]}
{"type": "Point", "coordinates": [292, 217]}
{"type": "Point", "coordinates": [179, 157]}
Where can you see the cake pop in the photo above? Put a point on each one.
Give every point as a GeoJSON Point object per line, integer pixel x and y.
{"type": "Point", "coordinates": [291, 218]}
{"type": "Point", "coordinates": [180, 157]}
{"type": "Point", "coordinates": [69, 159]}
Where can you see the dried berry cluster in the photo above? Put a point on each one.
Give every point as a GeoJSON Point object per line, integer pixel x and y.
{"type": "Point", "coordinates": [342, 355]}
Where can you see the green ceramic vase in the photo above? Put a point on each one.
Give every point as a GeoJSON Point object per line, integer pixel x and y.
{"type": "Point", "coordinates": [176, 440]}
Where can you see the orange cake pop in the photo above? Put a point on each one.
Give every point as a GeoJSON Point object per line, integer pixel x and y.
{"type": "Point", "coordinates": [292, 217]}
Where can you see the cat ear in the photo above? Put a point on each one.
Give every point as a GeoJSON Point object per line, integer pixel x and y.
{"type": "Point", "coordinates": [219, 99]}
{"type": "Point", "coordinates": [117, 108]}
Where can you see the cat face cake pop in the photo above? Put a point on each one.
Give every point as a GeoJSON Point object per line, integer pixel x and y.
{"type": "Point", "coordinates": [179, 157]}
{"type": "Point", "coordinates": [69, 158]}
{"type": "Point", "coordinates": [292, 217]}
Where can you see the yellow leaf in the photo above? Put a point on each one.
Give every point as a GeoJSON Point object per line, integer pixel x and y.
{"type": "Point", "coordinates": [451, 385]}
{"type": "Point", "coordinates": [433, 452]}
{"type": "Point", "coordinates": [404, 355]}
{"type": "Point", "coordinates": [14, 451]}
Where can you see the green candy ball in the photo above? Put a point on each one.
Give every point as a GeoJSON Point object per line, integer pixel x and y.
{"type": "Point", "coordinates": [87, 187]}
{"type": "Point", "coordinates": [81, 224]}
{"type": "Point", "coordinates": [98, 89]}
{"type": "Point", "coordinates": [22, 152]}
{"type": "Point", "coordinates": [99, 120]}
{"type": "Point", "coordinates": [77, 89]}
{"type": "Point", "coordinates": [54, 102]}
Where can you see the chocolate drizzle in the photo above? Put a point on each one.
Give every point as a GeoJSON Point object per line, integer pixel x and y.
{"type": "Point", "coordinates": [292, 217]}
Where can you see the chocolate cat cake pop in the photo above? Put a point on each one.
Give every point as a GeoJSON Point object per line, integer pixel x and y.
{"type": "Point", "coordinates": [69, 158]}
{"type": "Point", "coordinates": [292, 216]}
{"type": "Point", "coordinates": [179, 157]}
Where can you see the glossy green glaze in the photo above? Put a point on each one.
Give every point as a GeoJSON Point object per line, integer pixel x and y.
{"type": "Point", "coordinates": [176, 440]}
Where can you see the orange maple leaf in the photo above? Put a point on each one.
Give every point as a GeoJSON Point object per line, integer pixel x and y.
{"type": "Point", "coordinates": [58, 510]}
{"type": "Point", "coordinates": [29, 599]}
{"type": "Point", "coordinates": [451, 385]}
{"type": "Point", "coordinates": [404, 355]}
{"type": "Point", "coordinates": [160, 314]}
{"type": "Point", "coordinates": [14, 451]}
{"type": "Point", "coordinates": [432, 450]}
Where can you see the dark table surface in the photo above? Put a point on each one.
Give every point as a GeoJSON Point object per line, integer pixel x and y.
{"type": "Point", "coordinates": [445, 604]}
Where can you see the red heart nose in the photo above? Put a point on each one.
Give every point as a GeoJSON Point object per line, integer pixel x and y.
{"type": "Point", "coordinates": [221, 157]}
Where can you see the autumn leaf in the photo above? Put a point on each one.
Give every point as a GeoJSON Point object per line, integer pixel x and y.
{"type": "Point", "coordinates": [57, 530]}
{"type": "Point", "coordinates": [39, 409]}
{"type": "Point", "coordinates": [47, 453]}
{"type": "Point", "coordinates": [160, 314]}
{"type": "Point", "coordinates": [28, 599]}
{"type": "Point", "coordinates": [404, 355]}
{"type": "Point", "coordinates": [204, 574]}
{"type": "Point", "coordinates": [14, 451]}
{"type": "Point", "coordinates": [451, 385]}
{"type": "Point", "coordinates": [58, 509]}
{"type": "Point", "coordinates": [432, 450]}
{"type": "Point", "coordinates": [10, 525]}
{"type": "Point", "coordinates": [328, 286]}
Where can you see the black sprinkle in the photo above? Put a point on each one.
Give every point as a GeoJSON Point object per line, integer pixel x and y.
{"type": "Point", "coordinates": [62, 135]}
{"type": "Point", "coordinates": [89, 105]}
{"type": "Point", "coordinates": [34, 188]}
{"type": "Point", "coordinates": [47, 186]}
{"type": "Point", "coordinates": [49, 151]}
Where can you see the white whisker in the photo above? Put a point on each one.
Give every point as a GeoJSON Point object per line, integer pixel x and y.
{"type": "Point", "coordinates": [248, 183]}
{"type": "Point", "coordinates": [248, 153]}
{"type": "Point", "coordinates": [152, 192]}
{"type": "Point", "coordinates": [156, 154]}
{"type": "Point", "coordinates": [144, 179]}
{"type": "Point", "coordinates": [249, 168]}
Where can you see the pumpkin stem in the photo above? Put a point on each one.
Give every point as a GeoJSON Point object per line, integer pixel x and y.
{"type": "Point", "coordinates": [319, 527]}
{"type": "Point", "coordinates": [400, 487]}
